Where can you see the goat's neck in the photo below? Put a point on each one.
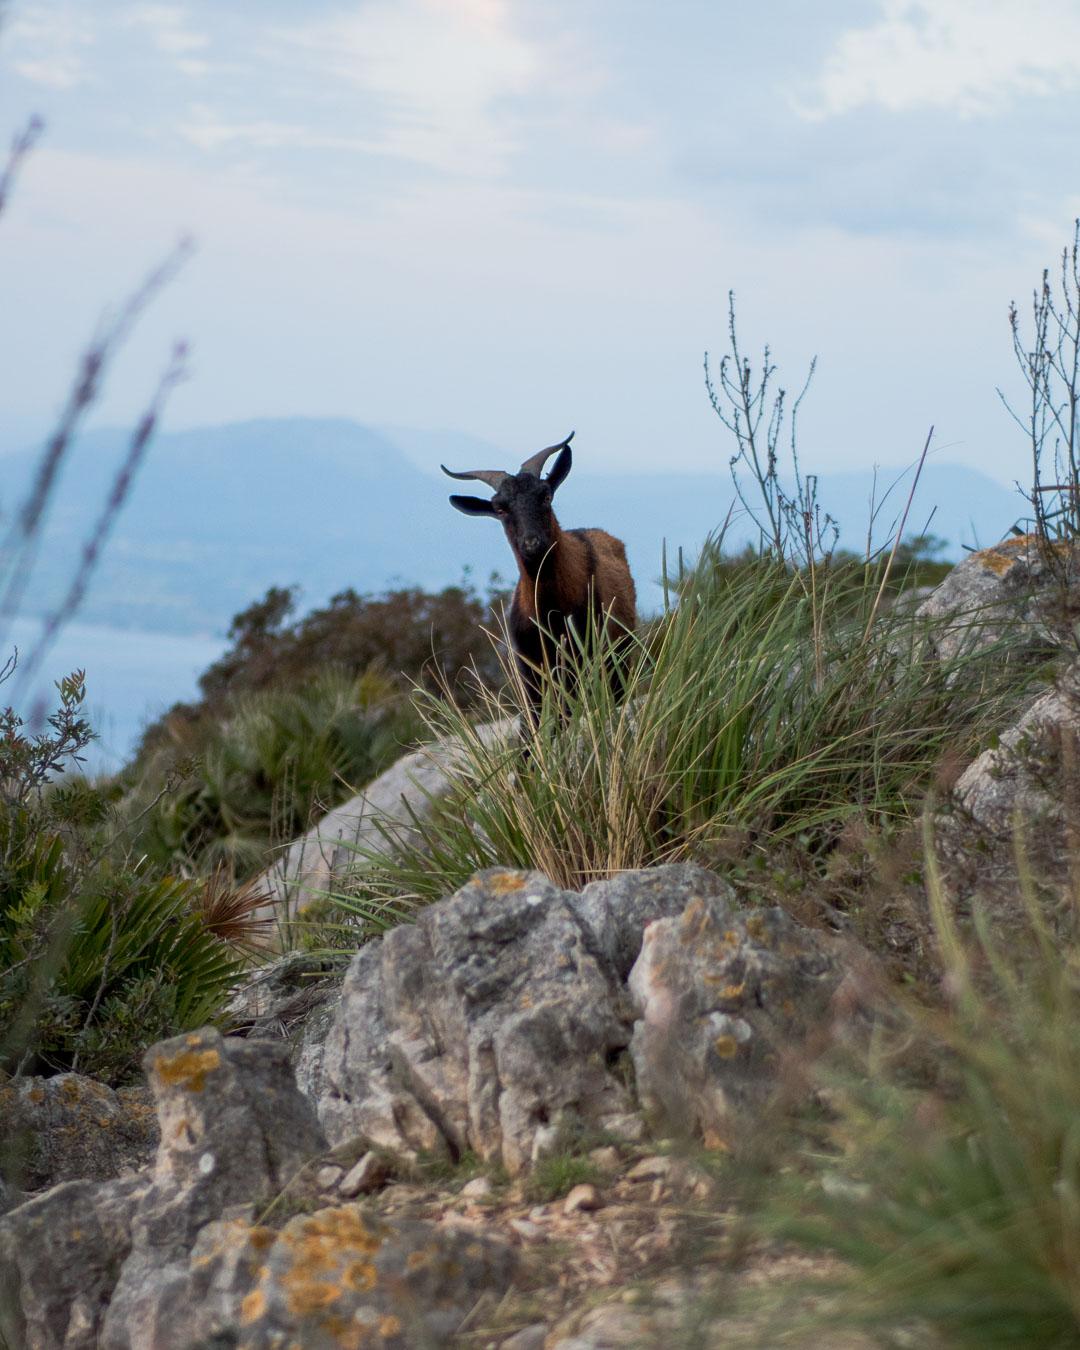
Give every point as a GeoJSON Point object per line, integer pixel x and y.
{"type": "Point", "coordinates": [547, 579]}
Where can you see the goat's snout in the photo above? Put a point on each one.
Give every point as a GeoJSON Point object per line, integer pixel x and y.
{"type": "Point", "coordinates": [531, 545]}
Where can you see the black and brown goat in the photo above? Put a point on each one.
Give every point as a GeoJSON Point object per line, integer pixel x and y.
{"type": "Point", "coordinates": [568, 579]}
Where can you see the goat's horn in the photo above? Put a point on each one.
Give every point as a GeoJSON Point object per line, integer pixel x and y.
{"type": "Point", "coordinates": [492, 477]}
{"type": "Point", "coordinates": [535, 463]}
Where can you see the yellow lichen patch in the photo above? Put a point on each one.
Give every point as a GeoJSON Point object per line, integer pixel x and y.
{"type": "Point", "coordinates": [415, 1260]}
{"type": "Point", "coordinates": [726, 1047]}
{"type": "Point", "coordinates": [360, 1275]}
{"type": "Point", "coordinates": [253, 1307]}
{"type": "Point", "coordinates": [505, 883]}
{"type": "Point", "coordinates": [330, 1253]}
{"type": "Point", "coordinates": [732, 990]}
{"type": "Point", "coordinates": [189, 1068]}
{"type": "Point", "coordinates": [261, 1238]}
{"type": "Point", "coordinates": [696, 924]}
{"type": "Point", "coordinates": [390, 1326]}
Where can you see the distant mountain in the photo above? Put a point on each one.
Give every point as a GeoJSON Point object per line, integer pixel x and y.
{"type": "Point", "coordinates": [219, 514]}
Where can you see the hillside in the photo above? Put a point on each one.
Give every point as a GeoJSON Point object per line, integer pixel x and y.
{"type": "Point", "coordinates": [221, 513]}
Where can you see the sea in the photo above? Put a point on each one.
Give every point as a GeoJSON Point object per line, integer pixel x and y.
{"type": "Point", "coordinates": [132, 676]}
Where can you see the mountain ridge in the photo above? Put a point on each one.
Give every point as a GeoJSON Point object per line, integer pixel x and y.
{"type": "Point", "coordinates": [220, 513]}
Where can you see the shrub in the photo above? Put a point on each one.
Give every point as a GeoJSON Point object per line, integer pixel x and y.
{"type": "Point", "coordinates": [222, 789]}
{"type": "Point", "coordinates": [97, 958]}
{"type": "Point", "coordinates": [959, 1207]}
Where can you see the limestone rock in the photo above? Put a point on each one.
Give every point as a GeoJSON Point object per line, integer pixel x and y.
{"type": "Point", "coordinates": [1016, 585]}
{"type": "Point", "coordinates": [60, 1254]}
{"type": "Point", "coordinates": [485, 1024]}
{"type": "Point", "coordinates": [71, 1127]}
{"type": "Point", "coordinates": [723, 998]}
{"type": "Point", "coordinates": [1022, 779]}
{"type": "Point", "coordinates": [234, 1131]}
{"type": "Point", "coordinates": [403, 793]}
{"type": "Point", "coordinates": [617, 911]}
{"type": "Point", "coordinates": [340, 1277]}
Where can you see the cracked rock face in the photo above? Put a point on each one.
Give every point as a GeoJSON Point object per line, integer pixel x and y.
{"type": "Point", "coordinates": [1014, 585]}
{"type": "Point", "coordinates": [723, 997]}
{"type": "Point", "coordinates": [493, 1023]}
{"type": "Point", "coordinates": [177, 1259]}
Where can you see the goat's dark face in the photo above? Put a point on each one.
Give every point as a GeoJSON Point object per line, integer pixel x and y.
{"type": "Point", "coordinates": [522, 501]}
{"type": "Point", "coordinates": [523, 504]}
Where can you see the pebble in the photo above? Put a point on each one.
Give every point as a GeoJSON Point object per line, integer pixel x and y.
{"type": "Point", "coordinates": [328, 1177]}
{"type": "Point", "coordinates": [480, 1188]}
{"type": "Point", "coordinates": [606, 1159]}
{"type": "Point", "coordinates": [528, 1338]}
{"type": "Point", "coordinates": [583, 1197]}
{"type": "Point", "coordinates": [368, 1175]}
{"type": "Point", "coordinates": [652, 1169]}
{"type": "Point", "coordinates": [528, 1232]}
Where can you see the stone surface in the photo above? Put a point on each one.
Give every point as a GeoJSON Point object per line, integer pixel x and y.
{"type": "Point", "coordinates": [342, 1278]}
{"type": "Point", "coordinates": [492, 1024]}
{"type": "Point", "coordinates": [1024, 778]}
{"type": "Point", "coordinates": [60, 1254]}
{"type": "Point", "coordinates": [177, 1259]}
{"type": "Point", "coordinates": [70, 1128]}
{"type": "Point", "coordinates": [725, 1001]}
{"type": "Point", "coordinates": [369, 1174]}
{"type": "Point", "coordinates": [583, 1197]}
{"type": "Point", "coordinates": [390, 804]}
{"type": "Point", "coordinates": [1015, 585]}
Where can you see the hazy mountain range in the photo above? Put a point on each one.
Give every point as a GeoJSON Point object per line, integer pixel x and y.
{"type": "Point", "coordinates": [218, 514]}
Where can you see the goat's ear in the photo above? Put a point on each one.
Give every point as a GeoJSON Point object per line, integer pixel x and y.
{"type": "Point", "coordinates": [561, 468]}
{"type": "Point", "coordinates": [473, 506]}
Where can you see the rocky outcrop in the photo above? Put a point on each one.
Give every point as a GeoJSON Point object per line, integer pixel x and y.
{"type": "Point", "coordinates": [496, 1023]}
{"type": "Point", "coordinates": [71, 1127]}
{"type": "Point", "coordinates": [185, 1255]}
{"type": "Point", "coordinates": [1028, 778]}
{"type": "Point", "coordinates": [728, 1002]}
{"type": "Point", "coordinates": [1020, 585]}
{"type": "Point", "coordinates": [387, 809]}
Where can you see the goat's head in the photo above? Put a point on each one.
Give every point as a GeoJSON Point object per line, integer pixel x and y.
{"type": "Point", "coordinates": [522, 501]}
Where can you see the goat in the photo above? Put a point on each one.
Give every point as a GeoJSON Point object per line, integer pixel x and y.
{"type": "Point", "coordinates": [568, 579]}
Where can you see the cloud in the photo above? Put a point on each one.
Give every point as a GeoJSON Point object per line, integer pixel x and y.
{"type": "Point", "coordinates": [437, 71]}
{"type": "Point", "coordinates": [970, 57]}
{"type": "Point", "coordinates": [50, 49]}
{"type": "Point", "coordinates": [167, 26]}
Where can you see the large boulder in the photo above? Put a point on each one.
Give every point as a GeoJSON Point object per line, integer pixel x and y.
{"type": "Point", "coordinates": [1021, 586]}
{"type": "Point", "coordinates": [386, 811]}
{"type": "Point", "coordinates": [70, 1128]}
{"type": "Point", "coordinates": [727, 1003]}
{"type": "Point", "coordinates": [493, 1023]}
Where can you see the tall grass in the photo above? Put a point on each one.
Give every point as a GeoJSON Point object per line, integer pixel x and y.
{"type": "Point", "coordinates": [959, 1207]}
{"type": "Point", "coordinates": [753, 707]}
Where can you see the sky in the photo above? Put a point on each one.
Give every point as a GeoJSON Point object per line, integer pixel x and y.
{"type": "Point", "coordinates": [511, 218]}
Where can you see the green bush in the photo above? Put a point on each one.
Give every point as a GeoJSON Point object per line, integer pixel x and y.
{"type": "Point", "coordinates": [224, 789]}
{"type": "Point", "coordinates": [97, 957]}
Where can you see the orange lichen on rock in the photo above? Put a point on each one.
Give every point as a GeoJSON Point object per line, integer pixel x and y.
{"type": "Point", "coordinates": [253, 1307]}
{"type": "Point", "coordinates": [331, 1254]}
{"type": "Point", "coordinates": [505, 883]}
{"type": "Point", "coordinates": [188, 1069]}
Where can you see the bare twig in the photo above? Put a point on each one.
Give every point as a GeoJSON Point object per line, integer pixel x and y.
{"type": "Point", "coordinates": [21, 146]}
{"type": "Point", "coordinates": [898, 536]}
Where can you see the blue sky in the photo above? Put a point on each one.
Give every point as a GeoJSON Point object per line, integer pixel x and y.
{"type": "Point", "coordinates": [512, 218]}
